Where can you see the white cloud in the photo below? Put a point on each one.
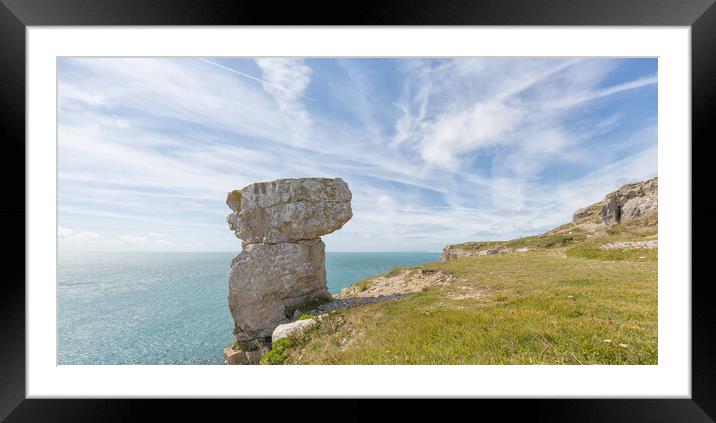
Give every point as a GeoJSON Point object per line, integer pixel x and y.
{"type": "Point", "coordinates": [483, 125]}
{"type": "Point", "coordinates": [149, 240]}
{"type": "Point", "coordinates": [66, 234]}
{"type": "Point", "coordinates": [149, 147]}
{"type": "Point", "coordinates": [583, 97]}
{"type": "Point", "coordinates": [182, 89]}
{"type": "Point", "coordinates": [87, 236]}
{"type": "Point", "coordinates": [470, 105]}
{"type": "Point", "coordinates": [286, 80]}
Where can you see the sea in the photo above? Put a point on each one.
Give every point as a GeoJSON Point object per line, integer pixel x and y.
{"type": "Point", "coordinates": [169, 308]}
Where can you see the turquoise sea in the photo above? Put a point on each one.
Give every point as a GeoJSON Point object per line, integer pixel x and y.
{"type": "Point", "coordinates": [168, 308]}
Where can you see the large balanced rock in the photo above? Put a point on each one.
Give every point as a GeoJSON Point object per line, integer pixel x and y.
{"type": "Point", "coordinates": [268, 282]}
{"type": "Point", "coordinates": [282, 266]}
{"type": "Point", "coordinates": [289, 209]}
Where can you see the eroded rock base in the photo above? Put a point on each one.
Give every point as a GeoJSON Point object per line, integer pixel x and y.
{"type": "Point", "coordinates": [236, 355]}
{"type": "Point", "coordinates": [268, 283]}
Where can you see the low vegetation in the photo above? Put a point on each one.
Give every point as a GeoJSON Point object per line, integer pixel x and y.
{"type": "Point", "coordinates": [565, 301]}
{"type": "Point", "coordinates": [481, 245]}
{"type": "Point", "coordinates": [278, 353]}
{"type": "Point", "coordinates": [364, 284]}
{"type": "Point", "coordinates": [593, 251]}
{"type": "Point", "coordinates": [549, 240]}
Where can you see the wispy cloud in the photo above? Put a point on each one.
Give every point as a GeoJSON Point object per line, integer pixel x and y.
{"type": "Point", "coordinates": [149, 240]}
{"type": "Point", "coordinates": [71, 235]}
{"type": "Point", "coordinates": [597, 94]}
{"type": "Point", "coordinates": [435, 151]}
{"type": "Point", "coordinates": [286, 80]}
{"type": "Point", "coordinates": [484, 125]}
{"type": "Point", "coordinates": [264, 82]}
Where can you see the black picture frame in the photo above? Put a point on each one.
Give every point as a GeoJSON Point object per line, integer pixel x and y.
{"type": "Point", "coordinates": [16, 15]}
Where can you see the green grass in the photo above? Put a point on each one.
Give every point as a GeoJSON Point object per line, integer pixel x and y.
{"type": "Point", "coordinates": [633, 230]}
{"type": "Point", "coordinates": [364, 284]}
{"type": "Point", "coordinates": [278, 353]}
{"type": "Point", "coordinates": [561, 236]}
{"type": "Point", "coordinates": [549, 240]}
{"type": "Point", "coordinates": [537, 308]}
{"type": "Point", "coordinates": [395, 271]}
{"type": "Point", "coordinates": [567, 301]}
{"type": "Point", "coordinates": [481, 245]}
{"type": "Point", "coordinates": [590, 250]}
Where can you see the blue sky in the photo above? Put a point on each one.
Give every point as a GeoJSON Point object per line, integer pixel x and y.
{"type": "Point", "coordinates": [435, 151]}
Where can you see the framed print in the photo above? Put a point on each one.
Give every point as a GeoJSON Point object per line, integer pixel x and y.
{"type": "Point", "coordinates": [464, 201]}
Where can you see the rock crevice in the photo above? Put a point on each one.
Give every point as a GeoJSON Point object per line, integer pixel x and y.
{"type": "Point", "coordinates": [282, 263]}
{"type": "Point", "coordinates": [629, 202]}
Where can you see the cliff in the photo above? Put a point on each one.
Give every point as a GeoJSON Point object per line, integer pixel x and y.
{"type": "Point", "coordinates": [634, 205]}
{"type": "Point", "coordinates": [629, 202]}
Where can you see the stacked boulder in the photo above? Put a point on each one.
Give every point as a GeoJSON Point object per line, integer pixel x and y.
{"type": "Point", "coordinates": [282, 266]}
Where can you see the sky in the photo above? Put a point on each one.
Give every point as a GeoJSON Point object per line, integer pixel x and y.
{"type": "Point", "coordinates": [435, 151]}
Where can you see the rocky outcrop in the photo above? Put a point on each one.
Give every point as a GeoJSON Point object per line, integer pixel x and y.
{"type": "Point", "coordinates": [592, 212]}
{"type": "Point", "coordinates": [470, 249]}
{"type": "Point", "coordinates": [282, 266]}
{"type": "Point", "coordinates": [269, 281]}
{"type": "Point", "coordinates": [627, 245]}
{"type": "Point", "coordinates": [289, 209]}
{"type": "Point", "coordinates": [628, 202]}
{"type": "Point", "coordinates": [287, 329]}
{"type": "Point", "coordinates": [234, 355]}
{"type": "Point", "coordinates": [389, 287]}
{"type": "Point", "coordinates": [631, 201]}
{"type": "Point", "coordinates": [453, 252]}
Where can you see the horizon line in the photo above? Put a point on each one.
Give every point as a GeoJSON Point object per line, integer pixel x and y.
{"type": "Point", "coordinates": [228, 251]}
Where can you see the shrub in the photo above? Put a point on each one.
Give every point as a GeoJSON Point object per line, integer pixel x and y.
{"type": "Point", "coordinates": [279, 352]}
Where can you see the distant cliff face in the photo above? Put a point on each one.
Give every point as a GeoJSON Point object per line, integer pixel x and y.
{"type": "Point", "coordinates": [628, 202]}
{"type": "Point", "coordinates": [479, 249]}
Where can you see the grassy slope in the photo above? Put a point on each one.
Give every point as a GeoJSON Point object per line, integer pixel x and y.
{"type": "Point", "coordinates": [553, 305]}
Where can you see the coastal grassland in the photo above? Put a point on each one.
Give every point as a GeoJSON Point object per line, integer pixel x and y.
{"type": "Point", "coordinates": [593, 251]}
{"type": "Point", "coordinates": [548, 306]}
{"type": "Point", "coordinates": [641, 229]}
{"type": "Point", "coordinates": [586, 231]}
{"type": "Point", "coordinates": [548, 240]}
